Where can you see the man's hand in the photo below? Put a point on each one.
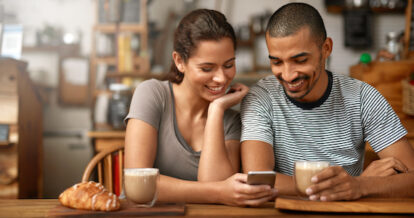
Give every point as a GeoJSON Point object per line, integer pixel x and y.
{"type": "Point", "coordinates": [333, 184]}
{"type": "Point", "coordinates": [385, 167]}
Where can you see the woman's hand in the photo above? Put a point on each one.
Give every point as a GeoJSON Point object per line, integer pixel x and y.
{"type": "Point", "coordinates": [232, 97]}
{"type": "Point", "coordinates": [385, 167]}
{"type": "Point", "coordinates": [236, 192]}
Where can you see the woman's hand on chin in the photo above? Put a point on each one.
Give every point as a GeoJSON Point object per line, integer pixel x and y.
{"type": "Point", "coordinates": [232, 97]}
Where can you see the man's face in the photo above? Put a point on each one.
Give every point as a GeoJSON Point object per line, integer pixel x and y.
{"type": "Point", "coordinates": [298, 62]}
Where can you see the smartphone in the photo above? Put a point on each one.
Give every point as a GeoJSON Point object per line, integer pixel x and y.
{"type": "Point", "coordinates": [261, 178]}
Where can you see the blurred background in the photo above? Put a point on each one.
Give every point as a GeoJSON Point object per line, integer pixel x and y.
{"type": "Point", "coordinates": [83, 59]}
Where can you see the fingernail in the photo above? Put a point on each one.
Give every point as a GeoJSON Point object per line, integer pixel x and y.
{"type": "Point", "coordinates": [309, 191]}
{"type": "Point", "coordinates": [323, 198]}
{"type": "Point", "coordinates": [314, 179]}
{"type": "Point", "coordinates": [313, 198]}
{"type": "Point", "coordinates": [274, 191]}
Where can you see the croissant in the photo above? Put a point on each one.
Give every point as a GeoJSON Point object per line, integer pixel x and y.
{"type": "Point", "coordinates": [89, 196]}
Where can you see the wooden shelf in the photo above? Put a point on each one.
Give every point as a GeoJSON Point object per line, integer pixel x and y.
{"type": "Point", "coordinates": [112, 60]}
{"type": "Point", "coordinates": [106, 60]}
{"type": "Point", "coordinates": [123, 27]}
{"type": "Point", "coordinates": [107, 134]}
{"type": "Point", "coordinates": [123, 52]}
{"type": "Point", "coordinates": [247, 43]}
{"type": "Point", "coordinates": [61, 49]}
{"type": "Point", "coordinates": [339, 9]}
{"type": "Point", "coordinates": [134, 74]}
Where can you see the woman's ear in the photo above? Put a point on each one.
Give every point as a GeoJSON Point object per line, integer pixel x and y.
{"type": "Point", "coordinates": [178, 61]}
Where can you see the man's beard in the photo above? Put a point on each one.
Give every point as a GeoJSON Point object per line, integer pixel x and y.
{"type": "Point", "coordinates": [305, 77]}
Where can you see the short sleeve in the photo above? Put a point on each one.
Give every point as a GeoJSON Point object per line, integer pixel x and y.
{"type": "Point", "coordinates": [256, 116]}
{"type": "Point", "coordinates": [382, 127]}
{"type": "Point", "coordinates": [232, 125]}
{"type": "Point", "coordinates": [148, 102]}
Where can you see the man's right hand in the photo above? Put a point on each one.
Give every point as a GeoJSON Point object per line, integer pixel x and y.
{"type": "Point", "coordinates": [236, 192]}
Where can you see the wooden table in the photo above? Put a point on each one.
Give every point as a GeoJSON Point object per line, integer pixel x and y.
{"type": "Point", "coordinates": [40, 208]}
{"type": "Point", "coordinates": [105, 139]}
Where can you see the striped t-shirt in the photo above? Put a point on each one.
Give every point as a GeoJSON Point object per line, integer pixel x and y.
{"type": "Point", "coordinates": [333, 129]}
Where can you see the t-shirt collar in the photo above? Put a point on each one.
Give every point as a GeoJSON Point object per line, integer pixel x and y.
{"type": "Point", "coordinates": [315, 104]}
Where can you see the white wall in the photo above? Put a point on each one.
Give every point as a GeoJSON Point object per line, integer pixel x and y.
{"type": "Point", "coordinates": [71, 15]}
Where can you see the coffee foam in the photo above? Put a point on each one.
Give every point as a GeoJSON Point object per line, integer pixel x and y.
{"type": "Point", "coordinates": [311, 164]}
{"type": "Point", "coordinates": [141, 171]}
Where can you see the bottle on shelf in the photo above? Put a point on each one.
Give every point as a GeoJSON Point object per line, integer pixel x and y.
{"type": "Point", "coordinates": [118, 105]}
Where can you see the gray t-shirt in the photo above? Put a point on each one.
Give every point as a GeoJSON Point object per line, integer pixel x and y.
{"type": "Point", "coordinates": [153, 103]}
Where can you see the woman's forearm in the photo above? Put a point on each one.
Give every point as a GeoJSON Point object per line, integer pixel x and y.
{"type": "Point", "coordinates": [176, 190]}
{"type": "Point", "coordinates": [215, 164]}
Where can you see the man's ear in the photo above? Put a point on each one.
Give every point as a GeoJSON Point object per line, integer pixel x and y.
{"type": "Point", "coordinates": [327, 47]}
{"type": "Point", "coordinates": [178, 61]}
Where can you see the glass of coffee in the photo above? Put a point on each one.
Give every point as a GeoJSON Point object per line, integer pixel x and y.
{"type": "Point", "coordinates": [140, 186]}
{"type": "Point", "coordinates": [304, 171]}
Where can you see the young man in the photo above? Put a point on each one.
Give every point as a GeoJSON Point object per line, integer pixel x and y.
{"type": "Point", "coordinates": [305, 112]}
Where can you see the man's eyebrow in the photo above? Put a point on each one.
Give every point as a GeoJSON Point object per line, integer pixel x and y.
{"type": "Point", "coordinates": [299, 55]}
{"type": "Point", "coordinates": [293, 57]}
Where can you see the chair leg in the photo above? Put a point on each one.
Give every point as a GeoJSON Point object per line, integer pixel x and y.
{"type": "Point", "coordinates": [108, 173]}
{"type": "Point", "coordinates": [100, 173]}
{"type": "Point", "coordinates": [121, 167]}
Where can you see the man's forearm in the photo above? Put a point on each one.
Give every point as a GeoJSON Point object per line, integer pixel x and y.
{"type": "Point", "coordinates": [400, 185]}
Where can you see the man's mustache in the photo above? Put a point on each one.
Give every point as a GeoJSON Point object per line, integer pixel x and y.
{"type": "Point", "coordinates": [304, 77]}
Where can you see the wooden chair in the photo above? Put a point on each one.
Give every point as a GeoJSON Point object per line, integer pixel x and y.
{"type": "Point", "coordinates": [104, 160]}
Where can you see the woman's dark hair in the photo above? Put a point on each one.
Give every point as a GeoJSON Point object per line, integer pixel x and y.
{"type": "Point", "coordinates": [198, 25]}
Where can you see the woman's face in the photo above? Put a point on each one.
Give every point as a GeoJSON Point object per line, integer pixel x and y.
{"type": "Point", "coordinates": [210, 69]}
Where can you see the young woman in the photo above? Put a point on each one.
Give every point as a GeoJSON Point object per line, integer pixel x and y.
{"type": "Point", "coordinates": [184, 126]}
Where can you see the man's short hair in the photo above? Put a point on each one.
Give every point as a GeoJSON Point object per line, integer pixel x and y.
{"type": "Point", "coordinates": [291, 17]}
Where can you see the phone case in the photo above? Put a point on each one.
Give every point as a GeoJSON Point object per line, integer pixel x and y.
{"type": "Point", "coordinates": [261, 178]}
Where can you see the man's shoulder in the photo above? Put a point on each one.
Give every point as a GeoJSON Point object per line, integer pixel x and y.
{"type": "Point", "coordinates": [267, 84]}
{"type": "Point", "coordinates": [349, 84]}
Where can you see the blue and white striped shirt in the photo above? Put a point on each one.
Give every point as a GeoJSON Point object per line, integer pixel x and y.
{"type": "Point", "coordinates": [333, 129]}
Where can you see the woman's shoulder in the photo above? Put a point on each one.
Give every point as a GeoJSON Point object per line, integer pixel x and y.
{"type": "Point", "coordinates": [153, 86]}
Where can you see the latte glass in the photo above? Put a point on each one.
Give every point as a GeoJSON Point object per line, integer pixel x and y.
{"type": "Point", "coordinates": [140, 186]}
{"type": "Point", "coordinates": [304, 171]}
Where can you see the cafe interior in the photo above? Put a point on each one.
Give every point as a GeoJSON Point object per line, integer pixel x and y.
{"type": "Point", "coordinates": [68, 69]}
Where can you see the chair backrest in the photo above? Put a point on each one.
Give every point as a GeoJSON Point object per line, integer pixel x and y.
{"type": "Point", "coordinates": [110, 165]}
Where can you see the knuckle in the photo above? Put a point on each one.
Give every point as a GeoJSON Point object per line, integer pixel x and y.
{"type": "Point", "coordinates": [238, 198]}
{"type": "Point", "coordinates": [329, 183]}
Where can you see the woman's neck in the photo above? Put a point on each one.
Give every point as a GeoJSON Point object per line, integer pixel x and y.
{"type": "Point", "coordinates": [187, 102]}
